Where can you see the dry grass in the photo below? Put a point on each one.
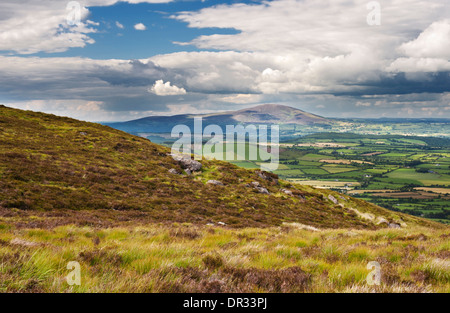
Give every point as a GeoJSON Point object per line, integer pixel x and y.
{"type": "Point", "coordinates": [187, 258]}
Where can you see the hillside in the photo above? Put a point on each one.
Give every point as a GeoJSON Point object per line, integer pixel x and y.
{"type": "Point", "coordinates": [262, 114]}
{"type": "Point", "coordinates": [56, 171]}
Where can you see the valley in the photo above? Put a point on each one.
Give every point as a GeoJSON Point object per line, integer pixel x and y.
{"type": "Point", "coordinates": [408, 174]}
{"type": "Point", "coordinates": [387, 162]}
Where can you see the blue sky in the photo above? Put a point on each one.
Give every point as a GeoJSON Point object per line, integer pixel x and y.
{"type": "Point", "coordinates": [128, 43]}
{"type": "Point", "coordinates": [126, 60]}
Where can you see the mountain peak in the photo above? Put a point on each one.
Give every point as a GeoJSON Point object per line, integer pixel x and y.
{"type": "Point", "coordinates": [277, 113]}
{"type": "Point", "coordinates": [261, 114]}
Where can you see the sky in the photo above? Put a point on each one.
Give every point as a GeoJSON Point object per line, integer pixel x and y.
{"type": "Point", "coordinates": [108, 60]}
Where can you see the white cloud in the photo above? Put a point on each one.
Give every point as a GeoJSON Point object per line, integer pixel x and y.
{"type": "Point", "coordinates": [242, 98]}
{"type": "Point", "coordinates": [33, 26]}
{"type": "Point", "coordinates": [84, 110]}
{"type": "Point", "coordinates": [311, 48]}
{"type": "Point", "coordinates": [41, 26]}
{"type": "Point", "coordinates": [429, 52]}
{"type": "Point", "coordinates": [433, 42]}
{"type": "Point", "coordinates": [165, 89]}
{"type": "Point", "coordinates": [271, 75]}
{"type": "Point", "coordinates": [411, 65]}
{"type": "Point", "coordinates": [119, 25]}
{"type": "Point", "coordinates": [140, 26]}
{"type": "Point", "coordinates": [325, 28]}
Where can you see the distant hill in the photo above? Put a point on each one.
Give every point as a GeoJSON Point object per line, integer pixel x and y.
{"type": "Point", "coordinates": [89, 174]}
{"type": "Point", "coordinates": [262, 114]}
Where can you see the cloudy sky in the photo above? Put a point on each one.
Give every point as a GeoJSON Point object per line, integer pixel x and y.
{"type": "Point", "coordinates": [105, 60]}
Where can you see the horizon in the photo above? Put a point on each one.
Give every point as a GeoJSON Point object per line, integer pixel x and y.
{"type": "Point", "coordinates": [109, 60]}
{"type": "Point", "coordinates": [443, 119]}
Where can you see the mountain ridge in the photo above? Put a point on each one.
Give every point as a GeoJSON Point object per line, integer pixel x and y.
{"type": "Point", "coordinates": [261, 114]}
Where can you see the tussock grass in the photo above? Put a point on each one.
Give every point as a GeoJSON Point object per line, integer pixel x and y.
{"type": "Point", "coordinates": [187, 258]}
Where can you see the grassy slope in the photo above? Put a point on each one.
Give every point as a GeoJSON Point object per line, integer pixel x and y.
{"type": "Point", "coordinates": [50, 164]}
{"type": "Point", "coordinates": [186, 258]}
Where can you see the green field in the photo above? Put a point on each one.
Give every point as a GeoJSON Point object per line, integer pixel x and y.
{"type": "Point", "coordinates": [396, 163]}
{"type": "Point", "coordinates": [427, 179]}
{"type": "Point", "coordinates": [368, 162]}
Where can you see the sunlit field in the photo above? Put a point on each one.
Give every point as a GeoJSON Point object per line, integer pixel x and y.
{"type": "Point", "coordinates": [187, 258]}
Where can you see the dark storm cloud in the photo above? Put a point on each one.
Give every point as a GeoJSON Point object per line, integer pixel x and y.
{"type": "Point", "coordinates": [404, 83]}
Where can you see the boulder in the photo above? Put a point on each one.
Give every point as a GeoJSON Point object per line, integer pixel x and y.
{"type": "Point", "coordinates": [187, 163]}
{"type": "Point", "coordinates": [215, 182]}
{"type": "Point", "coordinates": [288, 192]}
{"type": "Point", "coordinates": [333, 199]}
{"type": "Point", "coordinates": [262, 190]}
{"type": "Point", "coordinates": [381, 220]}
{"type": "Point", "coordinates": [267, 176]}
{"type": "Point", "coordinates": [256, 185]}
{"type": "Point", "coordinates": [173, 171]}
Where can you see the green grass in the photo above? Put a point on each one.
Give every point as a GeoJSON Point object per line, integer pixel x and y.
{"type": "Point", "coordinates": [314, 171]}
{"type": "Point", "coordinates": [337, 169]}
{"type": "Point", "coordinates": [425, 178]}
{"type": "Point", "coordinates": [313, 157]}
{"type": "Point", "coordinates": [186, 258]}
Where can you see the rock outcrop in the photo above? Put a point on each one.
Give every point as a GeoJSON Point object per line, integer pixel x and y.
{"type": "Point", "coordinates": [215, 182]}
{"type": "Point", "coordinates": [187, 163]}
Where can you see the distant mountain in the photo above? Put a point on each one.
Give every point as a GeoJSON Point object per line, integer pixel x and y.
{"type": "Point", "coordinates": [262, 114]}
{"type": "Point", "coordinates": [276, 113]}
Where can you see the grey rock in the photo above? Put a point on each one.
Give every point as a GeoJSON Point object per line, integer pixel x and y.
{"type": "Point", "coordinates": [215, 182]}
{"type": "Point", "coordinates": [394, 225]}
{"type": "Point", "coordinates": [256, 185]}
{"type": "Point", "coordinates": [288, 192]}
{"type": "Point", "coordinates": [333, 199]}
{"type": "Point", "coordinates": [173, 171]}
{"type": "Point", "coordinates": [262, 190]}
{"type": "Point", "coordinates": [266, 177]}
{"type": "Point", "coordinates": [187, 163]}
{"type": "Point", "coordinates": [381, 220]}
